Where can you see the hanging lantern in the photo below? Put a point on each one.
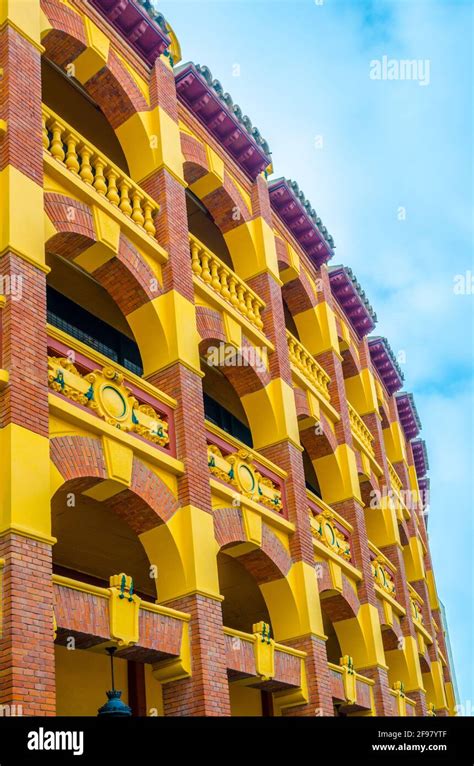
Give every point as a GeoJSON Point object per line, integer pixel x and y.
{"type": "Point", "coordinates": [114, 707]}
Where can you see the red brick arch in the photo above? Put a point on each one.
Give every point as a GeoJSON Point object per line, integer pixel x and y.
{"type": "Point", "coordinates": [318, 444]}
{"type": "Point", "coordinates": [113, 88]}
{"type": "Point", "coordinates": [350, 363]}
{"type": "Point", "coordinates": [224, 201]}
{"type": "Point", "coordinates": [127, 278]}
{"type": "Point", "coordinates": [67, 38]}
{"type": "Point", "coordinates": [297, 294]}
{"type": "Point", "coordinates": [144, 505]}
{"type": "Point", "coordinates": [266, 563]}
{"type": "Point", "coordinates": [336, 605]}
{"type": "Point", "coordinates": [195, 158]}
{"type": "Point", "coordinates": [245, 376]}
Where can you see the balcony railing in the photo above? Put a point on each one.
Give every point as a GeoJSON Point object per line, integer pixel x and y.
{"type": "Point", "coordinates": [225, 282]}
{"type": "Point", "coordinates": [243, 469]}
{"type": "Point", "coordinates": [257, 655]}
{"type": "Point", "coordinates": [95, 170]}
{"type": "Point", "coordinates": [308, 366]}
{"type": "Point", "coordinates": [396, 482]}
{"type": "Point", "coordinates": [402, 705]}
{"type": "Point", "coordinates": [141, 630]}
{"type": "Point", "coordinates": [329, 528]}
{"type": "Point", "coordinates": [350, 687]}
{"type": "Point", "coordinates": [109, 391]}
{"type": "Point", "coordinates": [360, 430]}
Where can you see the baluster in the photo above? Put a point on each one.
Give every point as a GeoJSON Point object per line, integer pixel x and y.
{"type": "Point", "coordinates": [225, 287]}
{"type": "Point", "coordinates": [256, 311]}
{"type": "Point", "coordinates": [149, 226]}
{"type": "Point", "coordinates": [137, 215]}
{"type": "Point", "coordinates": [249, 307]}
{"type": "Point", "coordinates": [215, 281]}
{"type": "Point", "coordinates": [291, 346]}
{"type": "Point", "coordinates": [125, 205]}
{"type": "Point", "coordinates": [99, 181]}
{"type": "Point", "coordinates": [72, 162]}
{"type": "Point", "coordinates": [57, 144]}
{"type": "Point", "coordinates": [233, 292]}
{"type": "Point", "coordinates": [86, 169]}
{"type": "Point", "coordinates": [205, 274]}
{"type": "Point", "coordinates": [112, 193]}
{"type": "Point", "coordinates": [45, 133]}
{"type": "Point", "coordinates": [195, 264]}
{"type": "Point", "coordinates": [240, 296]}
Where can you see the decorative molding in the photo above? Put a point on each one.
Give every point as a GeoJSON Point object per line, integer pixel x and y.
{"type": "Point", "coordinates": [238, 470]}
{"type": "Point", "coordinates": [383, 576]}
{"type": "Point", "coordinates": [329, 534]}
{"type": "Point", "coordinates": [104, 392]}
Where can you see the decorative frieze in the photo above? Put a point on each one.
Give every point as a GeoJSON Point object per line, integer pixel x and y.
{"type": "Point", "coordinates": [383, 576]}
{"type": "Point", "coordinates": [238, 470]}
{"type": "Point", "coordinates": [104, 392]}
{"type": "Point", "coordinates": [329, 534]}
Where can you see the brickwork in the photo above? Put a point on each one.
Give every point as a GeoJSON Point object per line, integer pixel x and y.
{"type": "Point", "coordinates": [26, 640]}
{"type": "Point", "coordinates": [26, 646]}
{"type": "Point", "coordinates": [204, 693]}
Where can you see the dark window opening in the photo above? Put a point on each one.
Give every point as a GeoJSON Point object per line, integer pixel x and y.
{"type": "Point", "coordinates": [224, 419]}
{"type": "Point", "coordinates": [311, 480]}
{"type": "Point", "coordinates": [93, 332]}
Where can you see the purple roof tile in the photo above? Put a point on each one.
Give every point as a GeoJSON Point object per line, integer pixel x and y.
{"type": "Point", "coordinates": [385, 363]}
{"type": "Point", "coordinates": [408, 414]}
{"type": "Point", "coordinates": [352, 300]}
{"type": "Point", "coordinates": [302, 220]}
{"type": "Point", "coordinates": [140, 26]}
{"type": "Point", "coordinates": [206, 99]}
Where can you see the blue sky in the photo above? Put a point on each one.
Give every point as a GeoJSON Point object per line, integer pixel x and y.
{"type": "Point", "coordinates": [302, 75]}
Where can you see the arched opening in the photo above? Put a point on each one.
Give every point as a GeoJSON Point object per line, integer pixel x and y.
{"type": "Point", "coordinates": [71, 102]}
{"type": "Point", "coordinates": [94, 543]}
{"type": "Point", "coordinates": [222, 405]}
{"type": "Point", "coordinates": [80, 306]}
{"type": "Point", "coordinates": [202, 225]}
{"type": "Point", "coordinates": [243, 604]}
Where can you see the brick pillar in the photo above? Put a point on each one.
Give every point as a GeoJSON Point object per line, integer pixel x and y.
{"type": "Point", "coordinates": [27, 676]}
{"type": "Point", "coordinates": [206, 692]}
{"type": "Point", "coordinates": [353, 512]}
{"type": "Point", "coordinates": [384, 702]}
{"type": "Point", "coordinates": [288, 456]}
{"type": "Point", "coordinates": [27, 680]}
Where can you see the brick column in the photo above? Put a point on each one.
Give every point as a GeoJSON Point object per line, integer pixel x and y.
{"type": "Point", "coordinates": [206, 692]}
{"type": "Point", "coordinates": [287, 455]}
{"type": "Point", "coordinates": [352, 508]}
{"type": "Point", "coordinates": [27, 677]}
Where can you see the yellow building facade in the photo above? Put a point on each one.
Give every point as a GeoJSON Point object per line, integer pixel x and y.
{"type": "Point", "coordinates": [207, 462]}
